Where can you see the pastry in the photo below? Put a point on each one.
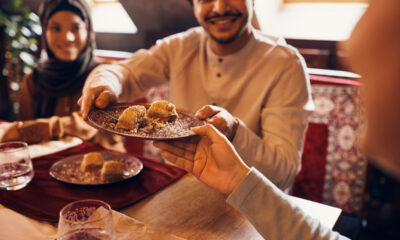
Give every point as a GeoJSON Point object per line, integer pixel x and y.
{"type": "Point", "coordinates": [163, 110]}
{"type": "Point", "coordinates": [132, 118]}
{"type": "Point", "coordinates": [112, 171]}
{"type": "Point", "coordinates": [92, 161]}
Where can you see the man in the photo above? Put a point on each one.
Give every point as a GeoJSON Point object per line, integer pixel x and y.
{"type": "Point", "coordinates": [225, 68]}
{"type": "Point", "coordinates": [373, 52]}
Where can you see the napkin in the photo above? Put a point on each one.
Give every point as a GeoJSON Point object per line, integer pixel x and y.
{"type": "Point", "coordinates": [129, 228]}
{"type": "Point", "coordinates": [49, 147]}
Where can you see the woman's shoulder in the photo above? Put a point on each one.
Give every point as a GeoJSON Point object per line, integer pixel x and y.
{"type": "Point", "coordinates": [27, 79]}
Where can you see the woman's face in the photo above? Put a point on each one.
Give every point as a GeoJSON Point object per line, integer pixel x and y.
{"type": "Point", "coordinates": [66, 35]}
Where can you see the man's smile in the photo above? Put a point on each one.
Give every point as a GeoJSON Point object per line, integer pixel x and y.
{"type": "Point", "coordinates": [223, 22]}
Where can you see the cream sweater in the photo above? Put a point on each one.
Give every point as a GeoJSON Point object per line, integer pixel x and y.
{"type": "Point", "coordinates": [264, 84]}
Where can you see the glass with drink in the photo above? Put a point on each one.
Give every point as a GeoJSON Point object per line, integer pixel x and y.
{"type": "Point", "coordinates": [16, 169]}
{"type": "Point", "coordinates": [86, 219]}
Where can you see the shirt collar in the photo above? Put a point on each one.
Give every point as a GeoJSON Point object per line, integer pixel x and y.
{"type": "Point", "coordinates": [241, 54]}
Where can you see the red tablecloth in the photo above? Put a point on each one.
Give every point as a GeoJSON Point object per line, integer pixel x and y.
{"type": "Point", "coordinates": [44, 197]}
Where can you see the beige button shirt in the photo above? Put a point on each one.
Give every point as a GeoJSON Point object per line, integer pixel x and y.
{"type": "Point", "coordinates": [264, 84]}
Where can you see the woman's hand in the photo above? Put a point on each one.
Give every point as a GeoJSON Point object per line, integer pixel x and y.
{"type": "Point", "coordinates": [213, 159]}
{"type": "Point", "coordinates": [32, 131]}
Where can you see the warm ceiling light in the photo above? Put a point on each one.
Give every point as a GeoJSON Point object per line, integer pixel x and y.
{"type": "Point", "coordinates": [109, 16]}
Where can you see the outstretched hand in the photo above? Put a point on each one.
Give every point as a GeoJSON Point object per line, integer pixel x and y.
{"type": "Point", "coordinates": [213, 159]}
{"type": "Point", "coordinates": [100, 95]}
{"type": "Point", "coordinates": [219, 118]}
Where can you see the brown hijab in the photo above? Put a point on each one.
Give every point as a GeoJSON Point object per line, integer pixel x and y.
{"type": "Point", "coordinates": [53, 77]}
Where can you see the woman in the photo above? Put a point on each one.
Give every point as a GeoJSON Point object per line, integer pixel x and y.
{"type": "Point", "coordinates": [49, 94]}
{"type": "Point", "coordinates": [54, 86]}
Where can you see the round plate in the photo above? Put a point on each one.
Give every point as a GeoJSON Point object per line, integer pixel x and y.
{"type": "Point", "coordinates": [180, 128]}
{"type": "Point", "coordinates": [68, 169]}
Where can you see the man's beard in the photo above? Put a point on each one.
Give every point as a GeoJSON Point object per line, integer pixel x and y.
{"type": "Point", "coordinates": [225, 41]}
{"type": "Point", "coordinates": [231, 39]}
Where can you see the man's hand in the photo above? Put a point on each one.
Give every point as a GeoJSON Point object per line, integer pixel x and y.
{"type": "Point", "coordinates": [100, 96]}
{"type": "Point", "coordinates": [102, 87]}
{"type": "Point", "coordinates": [220, 118]}
{"type": "Point", "coordinates": [213, 160]}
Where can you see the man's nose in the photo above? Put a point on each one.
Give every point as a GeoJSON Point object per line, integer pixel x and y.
{"type": "Point", "coordinates": [220, 6]}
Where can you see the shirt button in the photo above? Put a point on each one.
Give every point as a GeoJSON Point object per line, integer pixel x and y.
{"type": "Point", "coordinates": [220, 60]}
{"type": "Point", "coordinates": [218, 74]}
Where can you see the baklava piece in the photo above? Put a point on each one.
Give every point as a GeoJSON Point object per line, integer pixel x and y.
{"type": "Point", "coordinates": [92, 161]}
{"type": "Point", "coordinates": [132, 118]}
{"type": "Point", "coordinates": [163, 110]}
{"type": "Point", "coordinates": [112, 171]}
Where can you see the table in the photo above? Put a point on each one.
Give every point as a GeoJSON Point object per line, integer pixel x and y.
{"type": "Point", "coordinates": [190, 209]}
{"type": "Point", "coordinates": [186, 208]}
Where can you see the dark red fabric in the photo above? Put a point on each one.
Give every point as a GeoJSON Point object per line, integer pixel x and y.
{"type": "Point", "coordinates": [309, 182]}
{"type": "Point", "coordinates": [318, 79]}
{"type": "Point", "coordinates": [44, 197]}
{"type": "Point", "coordinates": [133, 145]}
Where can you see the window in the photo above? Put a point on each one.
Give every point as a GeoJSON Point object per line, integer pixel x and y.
{"type": "Point", "coordinates": [109, 16]}
{"type": "Point", "coordinates": [309, 19]}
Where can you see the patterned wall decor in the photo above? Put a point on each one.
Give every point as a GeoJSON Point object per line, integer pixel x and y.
{"type": "Point", "coordinates": [338, 106]}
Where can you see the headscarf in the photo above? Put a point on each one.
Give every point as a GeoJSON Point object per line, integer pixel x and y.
{"type": "Point", "coordinates": [53, 77]}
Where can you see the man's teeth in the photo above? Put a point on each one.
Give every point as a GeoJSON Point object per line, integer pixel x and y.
{"type": "Point", "coordinates": [221, 21]}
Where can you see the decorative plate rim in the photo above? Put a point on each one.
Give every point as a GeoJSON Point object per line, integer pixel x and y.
{"type": "Point", "coordinates": [74, 157]}
{"type": "Point", "coordinates": [97, 125]}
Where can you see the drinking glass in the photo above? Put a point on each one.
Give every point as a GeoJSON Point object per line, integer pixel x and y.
{"type": "Point", "coordinates": [86, 219]}
{"type": "Point", "coordinates": [16, 169]}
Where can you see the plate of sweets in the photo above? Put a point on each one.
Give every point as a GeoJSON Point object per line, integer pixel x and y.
{"type": "Point", "coordinates": [96, 168]}
{"type": "Point", "coordinates": [160, 120]}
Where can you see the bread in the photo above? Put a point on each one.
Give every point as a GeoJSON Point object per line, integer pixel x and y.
{"type": "Point", "coordinates": [132, 118]}
{"type": "Point", "coordinates": [92, 161]}
{"type": "Point", "coordinates": [162, 110]}
{"type": "Point", "coordinates": [112, 171]}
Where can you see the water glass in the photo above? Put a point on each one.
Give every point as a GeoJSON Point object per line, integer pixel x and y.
{"type": "Point", "coordinates": [16, 169]}
{"type": "Point", "coordinates": [86, 219]}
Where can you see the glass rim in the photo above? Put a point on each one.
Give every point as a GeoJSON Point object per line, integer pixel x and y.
{"type": "Point", "coordinates": [108, 208]}
{"type": "Point", "coordinates": [22, 146]}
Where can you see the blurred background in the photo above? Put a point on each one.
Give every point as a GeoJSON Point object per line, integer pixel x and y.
{"type": "Point", "coordinates": [370, 199]}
